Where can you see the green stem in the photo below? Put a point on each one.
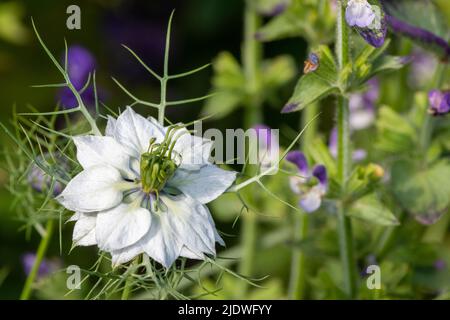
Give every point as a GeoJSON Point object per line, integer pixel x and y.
{"type": "Point", "coordinates": [43, 245]}
{"type": "Point", "coordinates": [344, 160]}
{"type": "Point", "coordinates": [163, 102]}
{"type": "Point", "coordinates": [251, 58]}
{"type": "Point", "coordinates": [163, 98]}
{"type": "Point", "coordinates": [127, 289]}
{"type": "Point", "coordinates": [297, 281]}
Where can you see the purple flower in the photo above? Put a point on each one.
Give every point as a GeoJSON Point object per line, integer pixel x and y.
{"type": "Point", "coordinates": [80, 63]}
{"type": "Point", "coordinates": [311, 186]}
{"type": "Point", "coordinates": [359, 13]}
{"type": "Point", "coordinates": [439, 102]}
{"type": "Point", "coordinates": [369, 20]}
{"type": "Point", "coordinates": [46, 267]}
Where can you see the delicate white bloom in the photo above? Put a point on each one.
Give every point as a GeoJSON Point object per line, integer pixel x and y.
{"type": "Point", "coordinates": [143, 189]}
{"type": "Point", "coordinates": [359, 13]}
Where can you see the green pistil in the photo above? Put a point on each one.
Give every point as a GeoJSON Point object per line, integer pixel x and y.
{"type": "Point", "coordinates": [158, 164]}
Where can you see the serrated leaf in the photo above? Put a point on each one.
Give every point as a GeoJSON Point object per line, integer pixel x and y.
{"type": "Point", "coordinates": [424, 192]}
{"type": "Point", "coordinates": [370, 209]}
{"type": "Point", "coordinates": [315, 85]}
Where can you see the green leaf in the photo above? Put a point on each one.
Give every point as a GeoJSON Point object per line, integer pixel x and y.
{"type": "Point", "coordinates": [278, 71]}
{"type": "Point", "coordinates": [370, 209]}
{"type": "Point", "coordinates": [395, 133]}
{"type": "Point", "coordinates": [387, 64]}
{"type": "Point", "coordinates": [424, 192]}
{"type": "Point", "coordinates": [228, 83]}
{"type": "Point", "coordinates": [310, 19]}
{"type": "Point", "coordinates": [315, 85]}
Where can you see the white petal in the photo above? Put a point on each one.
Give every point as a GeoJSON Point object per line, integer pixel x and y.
{"type": "Point", "coordinates": [84, 230]}
{"type": "Point", "coordinates": [195, 151]}
{"type": "Point", "coordinates": [205, 184]}
{"type": "Point", "coordinates": [93, 189]}
{"type": "Point", "coordinates": [160, 242]}
{"type": "Point", "coordinates": [188, 253]}
{"type": "Point", "coordinates": [110, 127]}
{"type": "Point", "coordinates": [126, 254]}
{"type": "Point", "coordinates": [134, 132]}
{"type": "Point", "coordinates": [96, 150]}
{"type": "Point", "coordinates": [75, 217]}
{"type": "Point", "coordinates": [190, 221]}
{"type": "Point", "coordinates": [121, 226]}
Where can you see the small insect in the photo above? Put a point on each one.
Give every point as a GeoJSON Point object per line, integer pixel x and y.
{"type": "Point", "coordinates": [311, 64]}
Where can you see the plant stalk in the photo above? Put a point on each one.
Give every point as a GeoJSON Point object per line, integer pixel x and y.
{"type": "Point", "coordinates": [251, 58]}
{"type": "Point", "coordinates": [42, 249]}
{"type": "Point", "coordinates": [344, 160]}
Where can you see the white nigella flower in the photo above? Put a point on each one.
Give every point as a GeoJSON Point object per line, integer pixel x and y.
{"type": "Point", "coordinates": [143, 189]}
{"type": "Point", "coordinates": [359, 13]}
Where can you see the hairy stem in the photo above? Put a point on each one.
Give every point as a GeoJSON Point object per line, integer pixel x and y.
{"type": "Point", "coordinates": [344, 160]}
{"type": "Point", "coordinates": [42, 249]}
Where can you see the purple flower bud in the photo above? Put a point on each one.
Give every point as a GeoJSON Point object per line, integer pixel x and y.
{"type": "Point", "coordinates": [369, 20]}
{"type": "Point", "coordinates": [28, 261]}
{"type": "Point", "coordinates": [439, 102]}
{"type": "Point", "coordinates": [299, 159]}
{"type": "Point", "coordinates": [80, 62]}
{"type": "Point", "coordinates": [68, 100]}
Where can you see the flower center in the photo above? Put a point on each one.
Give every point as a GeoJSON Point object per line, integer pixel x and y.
{"type": "Point", "coordinates": [158, 164]}
{"type": "Point", "coordinates": [155, 171]}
